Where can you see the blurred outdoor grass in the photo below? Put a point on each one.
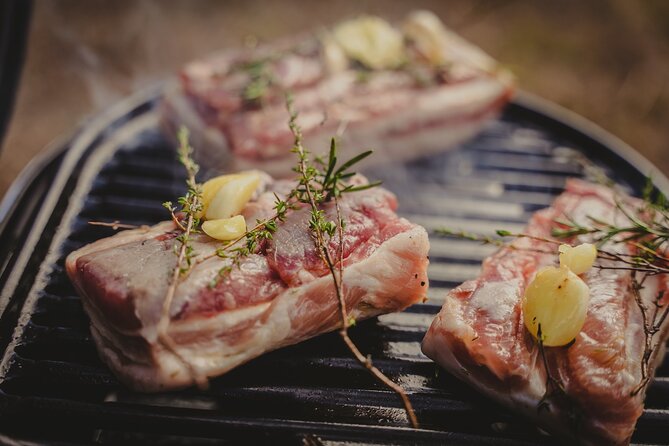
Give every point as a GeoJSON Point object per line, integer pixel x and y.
{"type": "Point", "coordinates": [606, 60]}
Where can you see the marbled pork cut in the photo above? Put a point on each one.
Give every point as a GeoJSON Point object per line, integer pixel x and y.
{"type": "Point", "coordinates": [405, 112]}
{"type": "Point", "coordinates": [279, 296]}
{"type": "Point", "coordinates": [479, 335]}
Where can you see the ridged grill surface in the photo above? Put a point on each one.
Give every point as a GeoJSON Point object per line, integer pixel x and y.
{"type": "Point", "coordinates": [54, 387]}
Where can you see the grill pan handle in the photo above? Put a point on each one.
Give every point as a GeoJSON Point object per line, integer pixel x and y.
{"type": "Point", "coordinates": [14, 26]}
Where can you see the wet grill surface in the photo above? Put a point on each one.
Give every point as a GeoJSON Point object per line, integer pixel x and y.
{"type": "Point", "coordinates": [55, 389]}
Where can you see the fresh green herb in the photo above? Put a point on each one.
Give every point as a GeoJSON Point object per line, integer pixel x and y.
{"type": "Point", "coordinates": [319, 182]}
{"type": "Point", "coordinates": [249, 242]}
{"type": "Point", "coordinates": [644, 230]}
{"type": "Point", "coordinates": [115, 225]}
{"type": "Point", "coordinates": [486, 240]}
{"type": "Point", "coordinates": [326, 181]}
{"type": "Point", "coordinates": [191, 205]}
{"type": "Point", "coordinates": [647, 232]}
{"type": "Point", "coordinates": [172, 210]}
{"type": "Point", "coordinates": [315, 187]}
{"type": "Point", "coordinates": [261, 79]}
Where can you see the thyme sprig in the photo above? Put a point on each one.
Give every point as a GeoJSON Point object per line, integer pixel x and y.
{"type": "Point", "coordinates": [115, 225]}
{"type": "Point", "coordinates": [191, 205]}
{"type": "Point", "coordinates": [648, 234]}
{"type": "Point", "coordinates": [253, 239]}
{"type": "Point", "coordinates": [326, 179]}
{"type": "Point", "coordinates": [315, 187]}
{"type": "Point", "coordinates": [319, 182]}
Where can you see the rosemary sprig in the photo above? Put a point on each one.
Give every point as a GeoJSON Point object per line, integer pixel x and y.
{"type": "Point", "coordinates": [645, 233]}
{"type": "Point", "coordinates": [485, 239]}
{"type": "Point", "coordinates": [261, 79]}
{"type": "Point", "coordinates": [488, 240]}
{"type": "Point", "coordinates": [327, 180]}
{"type": "Point", "coordinates": [315, 188]}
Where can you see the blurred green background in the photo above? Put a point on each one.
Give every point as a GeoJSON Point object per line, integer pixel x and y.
{"type": "Point", "coordinates": [606, 60]}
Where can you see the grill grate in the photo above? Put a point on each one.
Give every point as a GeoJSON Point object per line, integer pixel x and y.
{"type": "Point", "coordinates": [53, 387]}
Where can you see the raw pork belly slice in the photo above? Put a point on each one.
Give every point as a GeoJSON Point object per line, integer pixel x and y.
{"type": "Point", "coordinates": [479, 335]}
{"type": "Point", "coordinates": [418, 108]}
{"type": "Point", "coordinates": [280, 296]}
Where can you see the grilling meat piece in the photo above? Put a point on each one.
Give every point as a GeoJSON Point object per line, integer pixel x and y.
{"type": "Point", "coordinates": [438, 92]}
{"type": "Point", "coordinates": [280, 296]}
{"type": "Point", "coordinates": [479, 335]}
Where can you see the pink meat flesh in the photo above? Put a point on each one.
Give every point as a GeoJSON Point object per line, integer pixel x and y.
{"type": "Point", "coordinates": [404, 113]}
{"type": "Point", "coordinates": [479, 334]}
{"type": "Point", "coordinates": [278, 296]}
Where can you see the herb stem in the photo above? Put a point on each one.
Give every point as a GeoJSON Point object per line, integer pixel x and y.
{"type": "Point", "coordinates": [191, 203]}
{"type": "Point", "coordinates": [324, 253]}
{"type": "Point", "coordinates": [231, 243]}
{"type": "Point", "coordinates": [115, 225]}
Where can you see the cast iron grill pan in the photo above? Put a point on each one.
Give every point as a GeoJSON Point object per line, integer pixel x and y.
{"type": "Point", "coordinates": [55, 390]}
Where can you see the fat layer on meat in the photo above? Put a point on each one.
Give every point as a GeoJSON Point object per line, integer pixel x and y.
{"type": "Point", "coordinates": [279, 296]}
{"type": "Point", "coordinates": [480, 337]}
{"type": "Point", "coordinates": [402, 113]}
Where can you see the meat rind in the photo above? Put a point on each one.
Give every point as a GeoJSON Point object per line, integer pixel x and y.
{"type": "Point", "coordinates": [260, 306]}
{"type": "Point", "coordinates": [402, 113]}
{"type": "Point", "coordinates": [479, 334]}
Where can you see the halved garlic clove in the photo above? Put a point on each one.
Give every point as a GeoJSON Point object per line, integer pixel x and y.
{"type": "Point", "coordinates": [557, 299]}
{"type": "Point", "coordinates": [225, 229]}
{"type": "Point", "coordinates": [232, 196]}
{"type": "Point", "coordinates": [371, 41]}
{"type": "Point", "coordinates": [579, 259]}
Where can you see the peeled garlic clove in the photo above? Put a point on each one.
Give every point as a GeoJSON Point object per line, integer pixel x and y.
{"type": "Point", "coordinates": [558, 300]}
{"type": "Point", "coordinates": [210, 187]}
{"type": "Point", "coordinates": [371, 41]}
{"type": "Point", "coordinates": [225, 229]}
{"type": "Point", "coordinates": [231, 198]}
{"type": "Point", "coordinates": [579, 259]}
{"type": "Point", "coordinates": [333, 55]}
{"type": "Point", "coordinates": [428, 34]}
{"type": "Point", "coordinates": [440, 46]}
